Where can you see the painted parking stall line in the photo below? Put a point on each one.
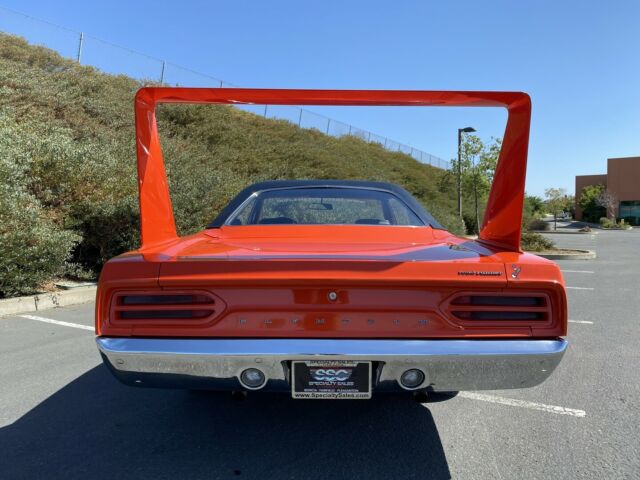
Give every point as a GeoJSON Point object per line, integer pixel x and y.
{"type": "Point", "coordinates": [577, 271]}
{"type": "Point", "coordinates": [579, 288]}
{"type": "Point", "coordinates": [585, 322]}
{"type": "Point", "coordinates": [512, 402]}
{"type": "Point", "coordinates": [57, 322]}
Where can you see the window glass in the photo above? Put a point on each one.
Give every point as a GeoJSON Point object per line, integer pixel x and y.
{"type": "Point", "coordinates": [402, 215]}
{"type": "Point", "coordinates": [630, 211]}
{"type": "Point", "coordinates": [325, 206]}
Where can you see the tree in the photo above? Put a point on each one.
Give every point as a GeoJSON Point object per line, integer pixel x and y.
{"type": "Point", "coordinates": [609, 202]}
{"type": "Point", "coordinates": [588, 202]}
{"type": "Point", "coordinates": [478, 165]}
{"type": "Point", "coordinates": [535, 204]}
{"type": "Point", "coordinates": [557, 201]}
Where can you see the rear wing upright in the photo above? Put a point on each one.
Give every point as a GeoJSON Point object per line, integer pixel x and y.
{"type": "Point", "coordinates": [503, 217]}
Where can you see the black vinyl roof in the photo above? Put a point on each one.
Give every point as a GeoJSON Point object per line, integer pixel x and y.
{"type": "Point", "coordinates": [396, 190]}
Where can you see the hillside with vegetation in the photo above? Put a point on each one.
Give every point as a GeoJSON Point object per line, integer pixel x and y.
{"type": "Point", "coordinates": [68, 191]}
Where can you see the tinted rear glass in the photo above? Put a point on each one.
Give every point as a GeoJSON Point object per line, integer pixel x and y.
{"type": "Point", "coordinates": [324, 206]}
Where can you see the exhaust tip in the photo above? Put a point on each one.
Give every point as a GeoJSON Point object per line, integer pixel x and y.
{"type": "Point", "coordinates": [412, 379]}
{"type": "Point", "coordinates": [252, 379]}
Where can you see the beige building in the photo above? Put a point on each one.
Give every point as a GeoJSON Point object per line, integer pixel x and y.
{"type": "Point", "coordinates": [622, 180]}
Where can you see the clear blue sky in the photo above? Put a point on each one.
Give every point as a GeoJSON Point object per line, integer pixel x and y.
{"type": "Point", "coordinates": [579, 61]}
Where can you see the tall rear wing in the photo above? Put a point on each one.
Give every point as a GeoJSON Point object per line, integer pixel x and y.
{"type": "Point", "coordinates": [503, 216]}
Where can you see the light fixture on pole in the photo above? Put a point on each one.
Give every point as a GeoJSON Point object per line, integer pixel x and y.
{"type": "Point", "coordinates": [460, 130]}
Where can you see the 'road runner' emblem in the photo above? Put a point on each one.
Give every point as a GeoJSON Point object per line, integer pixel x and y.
{"type": "Point", "coordinates": [516, 271]}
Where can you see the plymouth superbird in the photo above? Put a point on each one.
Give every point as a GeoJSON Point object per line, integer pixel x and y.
{"type": "Point", "coordinates": [331, 288]}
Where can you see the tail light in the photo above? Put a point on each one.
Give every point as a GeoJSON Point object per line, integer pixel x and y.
{"type": "Point", "coordinates": [500, 307]}
{"type": "Point", "coordinates": [165, 307]}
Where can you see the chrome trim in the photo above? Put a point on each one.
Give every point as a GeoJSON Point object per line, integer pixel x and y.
{"type": "Point", "coordinates": [448, 365]}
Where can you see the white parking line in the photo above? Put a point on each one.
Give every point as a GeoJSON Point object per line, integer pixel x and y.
{"type": "Point", "coordinates": [57, 322]}
{"type": "Point", "coordinates": [512, 402]}
{"type": "Point", "coordinates": [586, 322]}
{"type": "Point", "coordinates": [577, 271]}
{"type": "Point", "coordinates": [579, 288]}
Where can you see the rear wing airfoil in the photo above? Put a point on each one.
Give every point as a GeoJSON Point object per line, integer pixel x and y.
{"type": "Point", "coordinates": [503, 217]}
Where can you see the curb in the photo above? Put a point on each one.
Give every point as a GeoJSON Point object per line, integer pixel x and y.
{"type": "Point", "coordinates": [33, 303]}
{"type": "Point", "coordinates": [574, 255]}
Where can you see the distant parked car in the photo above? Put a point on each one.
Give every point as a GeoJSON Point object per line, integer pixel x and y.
{"type": "Point", "coordinates": [325, 289]}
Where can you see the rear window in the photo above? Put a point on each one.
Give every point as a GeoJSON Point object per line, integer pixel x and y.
{"type": "Point", "coordinates": [324, 206]}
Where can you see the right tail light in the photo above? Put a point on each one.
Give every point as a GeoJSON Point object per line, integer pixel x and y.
{"type": "Point", "coordinates": [500, 307]}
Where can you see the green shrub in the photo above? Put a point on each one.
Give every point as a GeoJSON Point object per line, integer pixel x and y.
{"type": "Point", "coordinates": [534, 242]}
{"type": "Point", "coordinates": [33, 249]}
{"type": "Point", "coordinates": [33, 245]}
{"type": "Point", "coordinates": [538, 225]}
{"type": "Point", "coordinates": [470, 224]}
{"type": "Point", "coordinates": [606, 223]}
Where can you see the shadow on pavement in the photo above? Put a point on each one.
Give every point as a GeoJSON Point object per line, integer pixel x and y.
{"type": "Point", "coordinates": [96, 428]}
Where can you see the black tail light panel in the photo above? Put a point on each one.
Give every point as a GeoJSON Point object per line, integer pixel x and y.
{"type": "Point", "coordinates": [499, 308]}
{"type": "Point", "coordinates": [165, 307]}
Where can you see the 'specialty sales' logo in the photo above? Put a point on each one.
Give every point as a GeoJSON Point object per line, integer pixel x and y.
{"type": "Point", "coordinates": [330, 374]}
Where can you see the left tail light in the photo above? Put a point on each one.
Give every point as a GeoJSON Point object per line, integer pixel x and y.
{"type": "Point", "coordinates": [165, 307]}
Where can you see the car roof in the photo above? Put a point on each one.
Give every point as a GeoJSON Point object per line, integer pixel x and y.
{"type": "Point", "coordinates": [396, 190]}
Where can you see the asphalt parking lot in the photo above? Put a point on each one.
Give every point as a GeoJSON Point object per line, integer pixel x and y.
{"type": "Point", "coordinates": [62, 415]}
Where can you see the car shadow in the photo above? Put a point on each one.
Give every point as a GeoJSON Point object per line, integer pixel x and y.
{"type": "Point", "coordinates": [97, 428]}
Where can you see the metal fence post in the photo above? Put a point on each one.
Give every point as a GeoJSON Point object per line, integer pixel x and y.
{"type": "Point", "coordinates": [162, 73]}
{"type": "Point", "coordinates": [79, 56]}
{"type": "Point", "coordinates": [300, 118]}
{"type": "Point", "coordinates": [328, 124]}
{"type": "Point", "coordinates": [265, 111]}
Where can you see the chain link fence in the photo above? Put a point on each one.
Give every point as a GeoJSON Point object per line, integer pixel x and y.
{"type": "Point", "coordinates": [118, 60]}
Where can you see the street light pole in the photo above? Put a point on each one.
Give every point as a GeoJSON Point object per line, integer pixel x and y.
{"type": "Point", "coordinates": [460, 130]}
{"type": "Point", "coordinates": [475, 195]}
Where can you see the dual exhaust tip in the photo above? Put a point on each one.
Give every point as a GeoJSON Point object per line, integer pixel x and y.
{"type": "Point", "coordinates": [255, 379]}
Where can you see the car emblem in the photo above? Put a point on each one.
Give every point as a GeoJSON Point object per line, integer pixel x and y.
{"type": "Point", "coordinates": [515, 271]}
{"type": "Point", "coordinates": [330, 374]}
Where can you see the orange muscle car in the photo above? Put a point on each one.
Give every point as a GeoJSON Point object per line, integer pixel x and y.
{"type": "Point", "coordinates": [330, 288]}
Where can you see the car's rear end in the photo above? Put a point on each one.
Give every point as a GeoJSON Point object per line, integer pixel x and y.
{"type": "Point", "coordinates": [332, 311]}
{"type": "Point", "coordinates": [457, 317]}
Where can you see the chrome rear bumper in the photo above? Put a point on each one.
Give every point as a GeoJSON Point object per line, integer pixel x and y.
{"type": "Point", "coordinates": [449, 365]}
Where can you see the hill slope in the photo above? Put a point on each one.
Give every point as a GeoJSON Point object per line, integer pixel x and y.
{"type": "Point", "coordinates": [67, 164]}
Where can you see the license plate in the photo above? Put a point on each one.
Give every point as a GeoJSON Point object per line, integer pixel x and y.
{"type": "Point", "coordinates": [337, 379]}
